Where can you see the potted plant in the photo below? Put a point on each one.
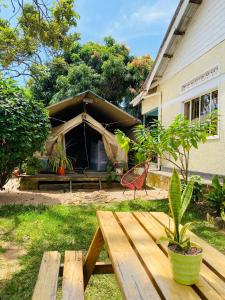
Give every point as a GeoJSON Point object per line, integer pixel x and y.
{"type": "Point", "coordinates": [185, 256]}
{"type": "Point", "coordinates": [59, 162]}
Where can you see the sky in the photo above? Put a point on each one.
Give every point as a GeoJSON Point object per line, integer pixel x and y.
{"type": "Point", "coordinates": [141, 24]}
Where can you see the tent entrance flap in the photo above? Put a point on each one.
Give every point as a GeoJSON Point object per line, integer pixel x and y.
{"type": "Point", "coordinates": [85, 148]}
{"type": "Point", "coordinates": [112, 149]}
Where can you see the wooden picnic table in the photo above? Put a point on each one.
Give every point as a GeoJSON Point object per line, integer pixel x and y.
{"type": "Point", "coordinates": [141, 266]}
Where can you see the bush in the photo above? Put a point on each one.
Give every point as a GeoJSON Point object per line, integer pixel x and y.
{"type": "Point", "coordinates": [24, 127]}
{"type": "Point", "coordinates": [216, 196]}
{"type": "Point", "coordinates": [32, 165]}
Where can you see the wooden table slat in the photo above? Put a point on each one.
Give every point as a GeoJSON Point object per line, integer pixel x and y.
{"type": "Point", "coordinates": [209, 285]}
{"type": "Point", "coordinates": [46, 285]}
{"type": "Point", "coordinates": [154, 259]}
{"type": "Point", "coordinates": [212, 257]}
{"type": "Point", "coordinates": [131, 275]}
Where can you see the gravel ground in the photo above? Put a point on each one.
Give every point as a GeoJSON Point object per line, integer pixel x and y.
{"type": "Point", "coordinates": [12, 195]}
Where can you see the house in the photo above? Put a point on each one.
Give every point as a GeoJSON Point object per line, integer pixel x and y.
{"type": "Point", "coordinates": [188, 77]}
{"type": "Point", "coordinates": [84, 125]}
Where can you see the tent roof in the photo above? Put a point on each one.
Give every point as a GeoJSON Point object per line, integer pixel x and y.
{"type": "Point", "coordinates": [99, 108]}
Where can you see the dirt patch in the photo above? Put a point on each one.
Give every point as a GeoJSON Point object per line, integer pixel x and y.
{"type": "Point", "coordinates": [9, 260]}
{"type": "Point", "coordinates": [12, 195]}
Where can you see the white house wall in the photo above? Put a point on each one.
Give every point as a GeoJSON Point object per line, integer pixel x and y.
{"type": "Point", "coordinates": [206, 30]}
{"type": "Point", "coordinates": [201, 50]}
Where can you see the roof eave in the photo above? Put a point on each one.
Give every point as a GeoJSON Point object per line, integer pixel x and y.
{"type": "Point", "coordinates": [174, 32]}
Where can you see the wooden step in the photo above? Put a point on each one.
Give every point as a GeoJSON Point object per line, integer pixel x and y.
{"type": "Point", "coordinates": [77, 186]}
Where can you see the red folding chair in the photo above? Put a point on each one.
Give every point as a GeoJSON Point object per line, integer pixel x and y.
{"type": "Point", "coordinates": [134, 181]}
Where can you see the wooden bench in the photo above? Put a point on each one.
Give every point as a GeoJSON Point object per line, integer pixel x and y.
{"type": "Point", "coordinates": [47, 282]}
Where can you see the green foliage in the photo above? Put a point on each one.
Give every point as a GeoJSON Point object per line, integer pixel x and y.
{"type": "Point", "coordinates": [112, 175]}
{"type": "Point", "coordinates": [24, 128]}
{"type": "Point", "coordinates": [197, 188]}
{"type": "Point", "coordinates": [178, 203]}
{"type": "Point", "coordinates": [32, 165]}
{"type": "Point", "coordinates": [79, 78]}
{"type": "Point", "coordinates": [59, 159]}
{"type": "Point", "coordinates": [123, 140]}
{"type": "Point", "coordinates": [109, 70]}
{"type": "Point", "coordinates": [172, 143]}
{"type": "Point", "coordinates": [22, 46]}
{"type": "Point", "coordinates": [142, 150]}
{"type": "Point", "coordinates": [217, 196]}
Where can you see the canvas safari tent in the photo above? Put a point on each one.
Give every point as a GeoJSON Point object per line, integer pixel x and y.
{"type": "Point", "coordinates": [84, 125]}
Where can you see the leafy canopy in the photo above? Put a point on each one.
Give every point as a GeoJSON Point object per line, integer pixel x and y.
{"type": "Point", "coordinates": [24, 127]}
{"type": "Point", "coordinates": [44, 44]}
{"type": "Point", "coordinates": [41, 32]}
{"type": "Point", "coordinates": [108, 69]}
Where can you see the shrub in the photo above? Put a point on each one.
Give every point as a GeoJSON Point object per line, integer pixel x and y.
{"type": "Point", "coordinates": [32, 165]}
{"type": "Point", "coordinates": [24, 127]}
{"type": "Point", "coordinates": [216, 196]}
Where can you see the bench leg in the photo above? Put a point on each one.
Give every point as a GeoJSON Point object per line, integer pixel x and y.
{"type": "Point", "coordinates": [92, 255]}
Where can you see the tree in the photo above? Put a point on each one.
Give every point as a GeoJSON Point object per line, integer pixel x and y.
{"type": "Point", "coordinates": [173, 143]}
{"type": "Point", "coordinates": [41, 32]}
{"type": "Point", "coordinates": [24, 127]}
{"type": "Point", "coordinates": [108, 69]}
{"type": "Point", "coordinates": [79, 78]}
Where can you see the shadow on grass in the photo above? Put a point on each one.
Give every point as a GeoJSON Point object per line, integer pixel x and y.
{"type": "Point", "coordinates": [59, 227]}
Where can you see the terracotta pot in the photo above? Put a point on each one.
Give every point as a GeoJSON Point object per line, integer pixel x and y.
{"type": "Point", "coordinates": [61, 171]}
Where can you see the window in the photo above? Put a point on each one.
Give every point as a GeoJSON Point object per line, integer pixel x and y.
{"type": "Point", "coordinates": [198, 108]}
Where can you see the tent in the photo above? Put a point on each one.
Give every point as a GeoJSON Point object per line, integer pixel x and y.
{"type": "Point", "coordinates": [84, 120]}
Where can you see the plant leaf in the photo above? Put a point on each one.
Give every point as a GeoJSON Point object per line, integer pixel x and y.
{"type": "Point", "coordinates": [186, 197]}
{"type": "Point", "coordinates": [184, 230]}
{"type": "Point", "coordinates": [175, 201]}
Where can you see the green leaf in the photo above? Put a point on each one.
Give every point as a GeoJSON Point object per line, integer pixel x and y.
{"type": "Point", "coordinates": [184, 230]}
{"type": "Point", "coordinates": [175, 201]}
{"type": "Point", "coordinates": [186, 197]}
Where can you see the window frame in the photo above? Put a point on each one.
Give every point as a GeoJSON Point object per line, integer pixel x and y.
{"type": "Point", "coordinates": [211, 137]}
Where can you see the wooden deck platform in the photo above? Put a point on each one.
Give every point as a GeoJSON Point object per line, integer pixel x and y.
{"type": "Point", "coordinates": [89, 179]}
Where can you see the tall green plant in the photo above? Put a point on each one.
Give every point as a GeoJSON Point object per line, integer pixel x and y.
{"type": "Point", "coordinates": [178, 204]}
{"type": "Point", "coordinates": [173, 143]}
{"type": "Point", "coordinates": [24, 127]}
{"type": "Point", "coordinates": [58, 159]}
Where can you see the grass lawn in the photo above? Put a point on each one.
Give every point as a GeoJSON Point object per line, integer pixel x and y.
{"type": "Point", "coordinates": [62, 228]}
